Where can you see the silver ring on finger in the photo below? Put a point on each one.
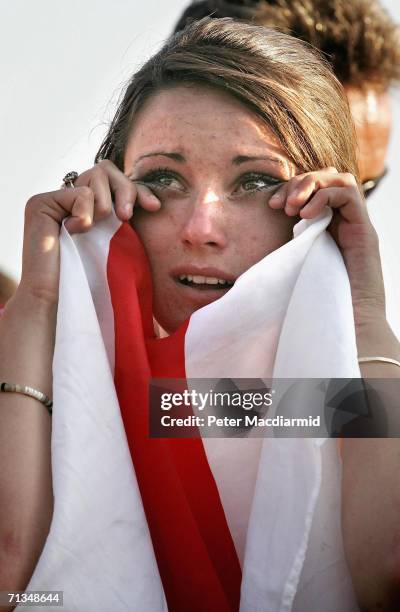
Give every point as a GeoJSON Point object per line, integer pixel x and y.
{"type": "Point", "coordinates": [69, 180]}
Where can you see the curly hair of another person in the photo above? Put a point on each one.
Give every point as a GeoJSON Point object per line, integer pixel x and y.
{"type": "Point", "coordinates": [358, 37]}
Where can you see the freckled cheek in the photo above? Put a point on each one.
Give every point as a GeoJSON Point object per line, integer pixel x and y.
{"type": "Point", "coordinates": [154, 229]}
{"type": "Point", "coordinates": [256, 240]}
{"type": "Point", "coordinates": [159, 239]}
{"type": "Point", "coordinates": [257, 246]}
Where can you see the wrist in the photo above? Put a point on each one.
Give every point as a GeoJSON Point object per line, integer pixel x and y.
{"type": "Point", "coordinates": [369, 316]}
{"type": "Point", "coordinates": [375, 337]}
{"type": "Point", "coordinates": [27, 336]}
{"type": "Point", "coordinates": [33, 304]}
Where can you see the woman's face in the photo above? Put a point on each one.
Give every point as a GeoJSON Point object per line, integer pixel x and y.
{"type": "Point", "coordinates": [213, 164]}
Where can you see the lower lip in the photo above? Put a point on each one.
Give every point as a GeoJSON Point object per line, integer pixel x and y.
{"type": "Point", "coordinates": [202, 295]}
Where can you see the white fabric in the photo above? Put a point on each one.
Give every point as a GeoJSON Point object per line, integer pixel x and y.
{"type": "Point", "coordinates": [99, 550]}
{"type": "Point", "coordinates": [290, 315]}
{"type": "Point", "coordinates": [304, 330]}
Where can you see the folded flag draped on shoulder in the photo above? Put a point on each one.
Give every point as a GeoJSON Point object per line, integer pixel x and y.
{"type": "Point", "coordinates": [149, 524]}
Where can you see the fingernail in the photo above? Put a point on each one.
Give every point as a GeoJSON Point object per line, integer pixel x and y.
{"type": "Point", "coordinates": [154, 199]}
{"type": "Point", "coordinates": [128, 208]}
{"type": "Point", "coordinates": [158, 203]}
{"type": "Point", "coordinates": [275, 198]}
{"type": "Point", "coordinates": [291, 211]}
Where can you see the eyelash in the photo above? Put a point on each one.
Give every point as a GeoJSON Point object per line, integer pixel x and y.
{"type": "Point", "coordinates": [156, 174]}
{"type": "Point", "coordinates": [253, 177]}
{"type": "Point", "coordinates": [153, 175]}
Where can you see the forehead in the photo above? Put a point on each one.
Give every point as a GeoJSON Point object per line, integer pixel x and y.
{"type": "Point", "coordinates": [199, 118]}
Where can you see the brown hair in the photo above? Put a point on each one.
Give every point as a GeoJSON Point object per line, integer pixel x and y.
{"type": "Point", "coordinates": [278, 77]}
{"type": "Point", "coordinates": [357, 37]}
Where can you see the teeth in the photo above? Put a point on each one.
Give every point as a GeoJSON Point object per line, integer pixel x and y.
{"type": "Point", "coordinates": [204, 280]}
{"type": "Point", "coordinates": [199, 280]}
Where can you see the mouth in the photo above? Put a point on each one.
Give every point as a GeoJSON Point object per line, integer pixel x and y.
{"type": "Point", "coordinates": [204, 283]}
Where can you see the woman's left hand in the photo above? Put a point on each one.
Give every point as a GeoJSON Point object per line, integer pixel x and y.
{"type": "Point", "coordinates": [306, 195]}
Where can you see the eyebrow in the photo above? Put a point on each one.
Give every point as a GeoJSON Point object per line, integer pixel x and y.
{"type": "Point", "coordinates": [239, 159]}
{"type": "Point", "coordinates": [176, 156]}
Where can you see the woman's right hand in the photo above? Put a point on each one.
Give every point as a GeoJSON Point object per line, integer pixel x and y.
{"type": "Point", "coordinates": [96, 192]}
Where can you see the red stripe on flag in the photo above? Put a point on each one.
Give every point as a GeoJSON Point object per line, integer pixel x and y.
{"type": "Point", "coordinates": [195, 553]}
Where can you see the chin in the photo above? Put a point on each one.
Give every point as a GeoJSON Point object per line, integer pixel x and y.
{"type": "Point", "coordinates": [172, 314]}
{"type": "Point", "coordinates": [168, 325]}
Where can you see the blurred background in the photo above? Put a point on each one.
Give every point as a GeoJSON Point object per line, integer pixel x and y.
{"type": "Point", "coordinates": [63, 66]}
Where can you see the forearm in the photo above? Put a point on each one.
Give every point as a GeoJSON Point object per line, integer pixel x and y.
{"type": "Point", "coordinates": [26, 349]}
{"type": "Point", "coordinates": [371, 483]}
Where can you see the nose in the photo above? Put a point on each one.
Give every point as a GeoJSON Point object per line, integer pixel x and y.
{"type": "Point", "coordinates": [204, 224]}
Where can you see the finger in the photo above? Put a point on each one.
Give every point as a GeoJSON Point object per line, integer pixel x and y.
{"type": "Point", "coordinates": [343, 198]}
{"type": "Point", "coordinates": [300, 191]}
{"type": "Point", "coordinates": [123, 191]}
{"type": "Point", "coordinates": [81, 211]}
{"type": "Point", "coordinates": [146, 198]}
{"type": "Point", "coordinates": [98, 182]}
{"type": "Point", "coordinates": [126, 193]}
{"type": "Point", "coordinates": [59, 204]}
{"type": "Point", "coordinates": [278, 199]}
{"type": "Point", "coordinates": [321, 179]}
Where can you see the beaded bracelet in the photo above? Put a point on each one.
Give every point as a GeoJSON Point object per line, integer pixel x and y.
{"type": "Point", "coordinates": [38, 395]}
